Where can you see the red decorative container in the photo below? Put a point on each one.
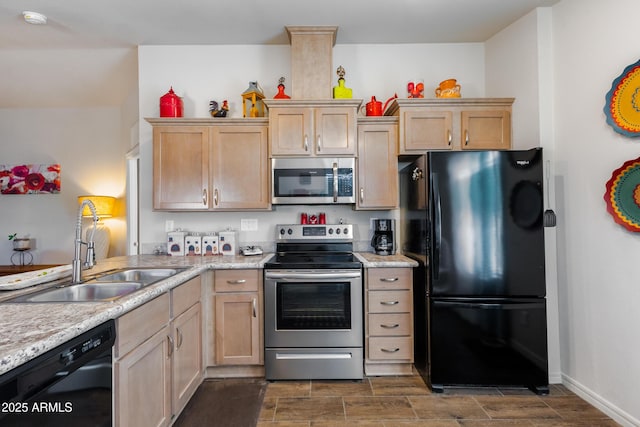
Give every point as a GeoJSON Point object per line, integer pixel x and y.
{"type": "Point", "coordinates": [170, 104]}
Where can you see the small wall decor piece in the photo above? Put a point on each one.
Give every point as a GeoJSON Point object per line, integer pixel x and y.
{"type": "Point", "coordinates": [622, 195]}
{"type": "Point", "coordinates": [30, 179]}
{"type": "Point", "coordinates": [623, 102]}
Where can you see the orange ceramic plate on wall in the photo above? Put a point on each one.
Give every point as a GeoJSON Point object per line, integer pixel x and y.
{"type": "Point", "coordinates": [623, 102]}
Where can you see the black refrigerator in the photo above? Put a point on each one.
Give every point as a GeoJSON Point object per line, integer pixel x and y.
{"type": "Point", "coordinates": [474, 222]}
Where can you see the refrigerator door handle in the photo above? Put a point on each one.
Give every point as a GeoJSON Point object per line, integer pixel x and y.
{"type": "Point", "coordinates": [437, 226]}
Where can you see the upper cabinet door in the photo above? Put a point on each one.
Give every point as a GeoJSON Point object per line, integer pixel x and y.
{"type": "Point", "coordinates": [486, 130]}
{"type": "Point", "coordinates": [291, 131]}
{"type": "Point", "coordinates": [377, 166]}
{"type": "Point", "coordinates": [313, 127]}
{"type": "Point", "coordinates": [181, 167]}
{"type": "Point", "coordinates": [335, 131]}
{"type": "Point", "coordinates": [427, 130]}
{"type": "Point", "coordinates": [240, 167]}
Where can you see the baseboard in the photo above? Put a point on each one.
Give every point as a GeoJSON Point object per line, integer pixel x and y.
{"type": "Point", "coordinates": [602, 404]}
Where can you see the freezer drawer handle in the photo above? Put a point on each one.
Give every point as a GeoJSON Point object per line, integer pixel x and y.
{"type": "Point", "coordinates": [390, 279]}
{"type": "Point", "coordinates": [395, 325]}
{"type": "Point", "coordinates": [392, 350]}
{"type": "Point", "coordinates": [389, 302]}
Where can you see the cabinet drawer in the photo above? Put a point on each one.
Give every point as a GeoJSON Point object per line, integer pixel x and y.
{"type": "Point", "coordinates": [236, 281]}
{"type": "Point", "coordinates": [140, 324]}
{"type": "Point", "coordinates": [390, 348]}
{"type": "Point", "coordinates": [389, 301]}
{"type": "Point", "coordinates": [185, 295]}
{"type": "Point", "coordinates": [394, 324]}
{"type": "Point", "coordinates": [389, 278]}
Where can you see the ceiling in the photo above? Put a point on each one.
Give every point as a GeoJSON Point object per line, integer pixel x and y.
{"type": "Point", "coordinates": [93, 42]}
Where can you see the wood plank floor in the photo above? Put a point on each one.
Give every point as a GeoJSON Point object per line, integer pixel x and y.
{"type": "Point", "coordinates": [407, 402]}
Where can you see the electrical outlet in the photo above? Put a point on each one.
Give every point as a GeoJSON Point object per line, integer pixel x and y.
{"type": "Point", "coordinates": [248, 225]}
{"type": "Point", "coordinates": [168, 225]}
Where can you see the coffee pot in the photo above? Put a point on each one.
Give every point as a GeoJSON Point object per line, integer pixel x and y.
{"type": "Point", "coordinates": [383, 236]}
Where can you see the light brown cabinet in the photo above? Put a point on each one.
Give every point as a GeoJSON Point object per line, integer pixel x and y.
{"type": "Point", "coordinates": [158, 358]}
{"type": "Point", "coordinates": [377, 163]}
{"type": "Point", "coordinates": [389, 321]}
{"type": "Point", "coordinates": [209, 165]}
{"type": "Point", "coordinates": [452, 124]}
{"type": "Point", "coordinates": [237, 303]}
{"type": "Point", "coordinates": [312, 128]}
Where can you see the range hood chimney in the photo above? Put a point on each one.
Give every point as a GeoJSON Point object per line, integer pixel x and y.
{"type": "Point", "coordinates": [312, 61]}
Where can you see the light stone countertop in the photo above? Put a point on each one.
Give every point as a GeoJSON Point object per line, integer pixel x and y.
{"type": "Point", "coordinates": [371, 260]}
{"type": "Point", "coordinates": [28, 330]}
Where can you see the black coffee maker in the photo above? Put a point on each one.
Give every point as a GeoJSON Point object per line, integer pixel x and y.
{"type": "Point", "coordinates": [383, 240]}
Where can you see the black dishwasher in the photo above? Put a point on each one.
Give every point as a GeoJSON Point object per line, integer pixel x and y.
{"type": "Point", "coordinates": [70, 385]}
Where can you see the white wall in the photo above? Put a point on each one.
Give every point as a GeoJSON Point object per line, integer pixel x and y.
{"type": "Point", "coordinates": [597, 259]}
{"type": "Point", "coordinates": [88, 144]}
{"type": "Point", "coordinates": [202, 73]}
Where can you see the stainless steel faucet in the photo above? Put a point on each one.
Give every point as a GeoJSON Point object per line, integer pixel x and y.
{"type": "Point", "coordinates": [77, 265]}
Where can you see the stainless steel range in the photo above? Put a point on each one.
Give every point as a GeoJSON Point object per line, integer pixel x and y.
{"type": "Point", "coordinates": [313, 305]}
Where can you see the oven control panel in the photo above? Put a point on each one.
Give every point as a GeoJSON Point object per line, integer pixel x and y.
{"type": "Point", "coordinates": [314, 232]}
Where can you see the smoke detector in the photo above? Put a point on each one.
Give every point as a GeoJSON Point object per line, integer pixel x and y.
{"type": "Point", "coordinates": [34, 18]}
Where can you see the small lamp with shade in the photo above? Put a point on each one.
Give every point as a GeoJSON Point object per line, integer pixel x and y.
{"type": "Point", "coordinates": [104, 209]}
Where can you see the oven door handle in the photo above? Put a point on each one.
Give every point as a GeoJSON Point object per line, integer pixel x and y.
{"type": "Point", "coordinates": [340, 275]}
{"type": "Point", "coordinates": [335, 182]}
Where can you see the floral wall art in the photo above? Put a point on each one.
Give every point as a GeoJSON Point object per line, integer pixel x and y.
{"type": "Point", "coordinates": [30, 179]}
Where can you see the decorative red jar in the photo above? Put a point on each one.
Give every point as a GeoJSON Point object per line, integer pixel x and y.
{"type": "Point", "coordinates": [170, 104]}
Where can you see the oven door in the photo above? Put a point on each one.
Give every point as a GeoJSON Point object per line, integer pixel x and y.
{"type": "Point", "coordinates": [313, 180]}
{"type": "Point", "coordinates": [313, 308]}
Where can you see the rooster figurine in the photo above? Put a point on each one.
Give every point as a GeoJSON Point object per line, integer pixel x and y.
{"type": "Point", "coordinates": [221, 112]}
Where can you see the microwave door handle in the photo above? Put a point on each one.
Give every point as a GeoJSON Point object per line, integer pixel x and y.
{"type": "Point", "coordinates": [335, 182]}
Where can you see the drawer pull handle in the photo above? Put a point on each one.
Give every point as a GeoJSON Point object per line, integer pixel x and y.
{"type": "Point", "coordinates": [466, 137]}
{"type": "Point", "coordinates": [389, 279]}
{"type": "Point", "coordinates": [236, 282]}
{"type": "Point", "coordinates": [449, 139]}
{"type": "Point", "coordinates": [254, 307]}
{"type": "Point", "coordinates": [392, 350]}
{"type": "Point", "coordinates": [389, 302]}
{"type": "Point", "coordinates": [306, 143]}
{"type": "Point", "coordinates": [395, 325]}
{"type": "Point", "coordinates": [204, 197]}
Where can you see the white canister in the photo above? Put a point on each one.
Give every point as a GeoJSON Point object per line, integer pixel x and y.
{"type": "Point", "coordinates": [192, 245]}
{"type": "Point", "coordinates": [210, 245]}
{"type": "Point", "coordinates": [227, 242]}
{"type": "Point", "coordinates": [175, 243]}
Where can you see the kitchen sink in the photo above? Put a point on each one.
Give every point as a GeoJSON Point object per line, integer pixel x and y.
{"type": "Point", "coordinates": [104, 287]}
{"type": "Point", "coordinates": [83, 292]}
{"type": "Point", "coordinates": [146, 276]}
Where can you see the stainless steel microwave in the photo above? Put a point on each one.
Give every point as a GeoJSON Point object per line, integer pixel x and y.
{"type": "Point", "coordinates": [314, 180]}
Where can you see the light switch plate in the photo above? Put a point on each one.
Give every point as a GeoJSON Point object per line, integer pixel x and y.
{"type": "Point", "coordinates": [248, 225]}
{"type": "Point", "coordinates": [168, 225]}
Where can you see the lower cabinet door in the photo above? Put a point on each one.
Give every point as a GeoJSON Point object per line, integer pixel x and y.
{"type": "Point", "coordinates": [237, 329]}
{"type": "Point", "coordinates": [143, 381]}
{"type": "Point", "coordinates": [187, 356]}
